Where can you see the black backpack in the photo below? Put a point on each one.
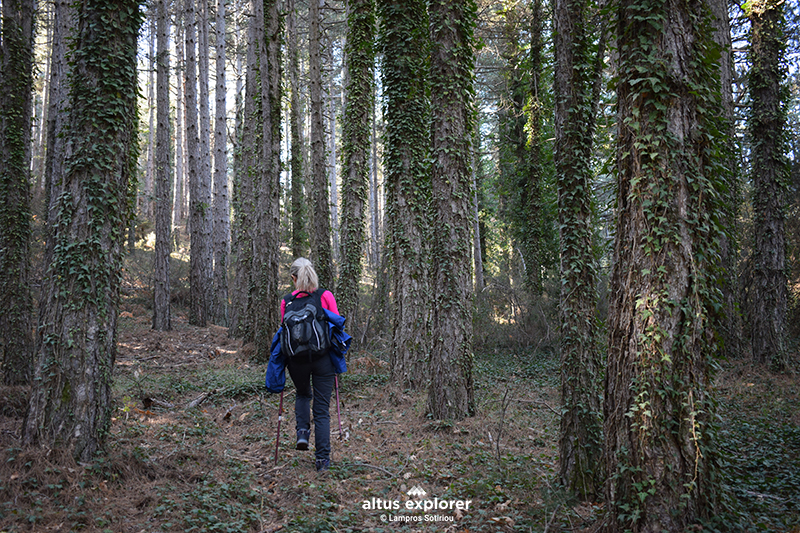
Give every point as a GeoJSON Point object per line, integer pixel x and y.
{"type": "Point", "coordinates": [305, 326]}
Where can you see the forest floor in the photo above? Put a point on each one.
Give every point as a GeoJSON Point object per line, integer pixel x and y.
{"type": "Point", "coordinates": [193, 438]}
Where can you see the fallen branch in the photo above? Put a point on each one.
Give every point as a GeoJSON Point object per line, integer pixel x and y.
{"type": "Point", "coordinates": [200, 399]}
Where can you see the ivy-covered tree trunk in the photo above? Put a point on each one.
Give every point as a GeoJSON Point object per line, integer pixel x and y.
{"type": "Point", "coordinates": [536, 219]}
{"type": "Point", "coordinates": [248, 157]}
{"type": "Point", "coordinates": [71, 403]}
{"type": "Point", "coordinates": [163, 183]}
{"type": "Point", "coordinates": [452, 23]}
{"type": "Point", "coordinates": [731, 315]}
{"type": "Point", "coordinates": [321, 252]}
{"type": "Point", "coordinates": [769, 293]}
{"type": "Point", "coordinates": [264, 309]}
{"type": "Point", "coordinates": [297, 202]}
{"type": "Point", "coordinates": [658, 428]}
{"type": "Point", "coordinates": [581, 413]}
{"type": "Point", "coordinates": [16, 84]}
{"type": "Point", "coordinates": [221, 208]}
{"type": "Point", "coordinates": [405, 45]}
{"type": "Point", "coordinates": [356, 130]}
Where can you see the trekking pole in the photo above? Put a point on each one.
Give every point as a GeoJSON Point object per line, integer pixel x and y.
{"type": "Point", "coordinates": [338, 413]}
{"type": "Point", "coordinates": [278, 436]}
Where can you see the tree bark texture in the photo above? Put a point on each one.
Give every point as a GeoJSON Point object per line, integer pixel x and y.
{"type": "Point", "coordinates": [769, 293]}
{"type": "Point", "coordinates": [63, 22]}
{"type": "Point", "coordinates": [658, 408]}
{"type": "Point", "coordinates": [264, 308]}
{"type": "Point", "coordinates": [244, 208]}
{"type": "Point", "coordinates": [321, 252]}
{"type": "Point", "coordinates": [536, 222]}
{"type": "Point", "coordinates": [297, 202]}
{"type": "Point", "coordinates": [197, 291]}
{"type": "Point", "coordinates": [71, 403]}
{"type": "Point", "coordinates": [203, 237]}
{"type": "Point", "coordinates": [731, 317]}
{"type": "Point", "coordinates": [581, 413]}
{"type": "Point", "coordinates": [450, 391]}
{"type": "Point", "coordinates": [179, 207]}
{"type": "Point", "coordinates": [16, 84]}
{"type": "Point", "coordinates": [163, 184]}
{"type": "Point", "coordinates": [356, 132]}
{"type": "Point", "coordinates": [405, 45]}
{"type": "Point", "coordinates": [221, 238]}
{"type": "Point", "coordinates": [145, 200]}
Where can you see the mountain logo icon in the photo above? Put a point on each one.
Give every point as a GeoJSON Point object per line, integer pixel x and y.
{"type": "Point", "coordinates": [417, 492]}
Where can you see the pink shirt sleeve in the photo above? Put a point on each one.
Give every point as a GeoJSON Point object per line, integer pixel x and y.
{"type": "Point", "coordinates": [327, 299]}
{"type": "Point", "coordinates": [329, 302]}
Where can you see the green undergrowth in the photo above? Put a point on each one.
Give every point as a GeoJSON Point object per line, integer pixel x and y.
{"type": "Point", "coordinates": [202, 458]}
{"type": "Point", "coordinates": [759, 440]}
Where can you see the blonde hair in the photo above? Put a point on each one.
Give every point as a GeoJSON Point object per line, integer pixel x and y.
{"type": "Point", "coordinates": [305, 276]}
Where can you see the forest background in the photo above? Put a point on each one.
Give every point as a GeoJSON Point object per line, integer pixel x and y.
{"type": "Point", "coordinates": [461, 175]}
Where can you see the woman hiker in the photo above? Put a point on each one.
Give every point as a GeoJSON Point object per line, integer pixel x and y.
{"type": "Point", "coordinates": [313, 376]}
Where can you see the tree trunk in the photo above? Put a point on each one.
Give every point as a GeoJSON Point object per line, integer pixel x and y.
{"type": "Point", "coordinates": [333, 201]}
{"type": "Point", "coordinates": [477, 253]}
{"type": "Point", "coordinates": [299, 240]}
{"type": "Point", "coordinates": [145, 200]}
{"type": "Point", "coordinates": [731, 316]}
{"type": "Point", "coordinates": [769, 299]}
{"type": "Point", "coordinates": [376, 204]}
{"type": "Point", "coordinates": [659, 453]}
{"type": "Point", "coordinates": [264, 308]}
{"type": "Point", "coordinates": [40, 150]}
{"type": "Point", "coordinates": [205, 219]}
{"type": "Point", "coordinates": [63, 22]}
{"type": "Point", "coordinates": [163, 185]}
{"type": "Point", "coordinates": [581, 416]}
{"type": "Point", "coordinates": [16, 86]}
{"type": "Point", "coordinates": [536, 223]}
{"type": "Point", "coordinates": [356, 131]}
{"type": "Point", "coordinates": [221, 200]}
{"type": "Point", "coordinates": [248, 157]}
{"type": "Point", "coordinates": [71, 402]}
{"type": "Point", "coordinates": [450, 391]}
{"type": "Point", "coordinates": [179, 208]}
{"type": "Point", "coordinates": [321, 253]}
{"type": "Point", "coordinates": [405, 42]}
{"type": "Point", "coordinates": [197, 293]}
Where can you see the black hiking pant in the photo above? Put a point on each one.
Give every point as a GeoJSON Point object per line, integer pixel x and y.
{"type": "Point", "coordinates": [314, 380]}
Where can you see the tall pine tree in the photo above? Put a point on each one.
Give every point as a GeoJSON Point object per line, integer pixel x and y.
{"type": "Point", "coordinates": [16, 84]}
{"type": "Point", "coordinates": [452, 23]}
{"type": "Point", "coordinates": [658, 427]}
{"type": "Point", "coordinates": [404, 43]}
{"type": "Point", "coordinates": [581, 416]}
{"type": "Point", "coordinates": [769, 294]}
{"type": "Point", "coordinates": [356, 151]}
{"type": "Point", "coordinates": [70, 403]}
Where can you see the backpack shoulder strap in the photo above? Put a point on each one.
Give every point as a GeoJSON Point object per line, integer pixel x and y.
{"type": "Point", "coordinates": [289, 298]}
{"type": "Point", "coordinates": [318, 299]}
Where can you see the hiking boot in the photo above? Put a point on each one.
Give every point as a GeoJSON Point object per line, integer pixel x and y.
{"type": "Point", "coordinates": [323, 465]}
{"type": "Point", "coordinates": [302, 439]}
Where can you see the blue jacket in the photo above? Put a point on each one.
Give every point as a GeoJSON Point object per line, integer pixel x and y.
{"type": "Point", "coordinates": [275, 379]}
